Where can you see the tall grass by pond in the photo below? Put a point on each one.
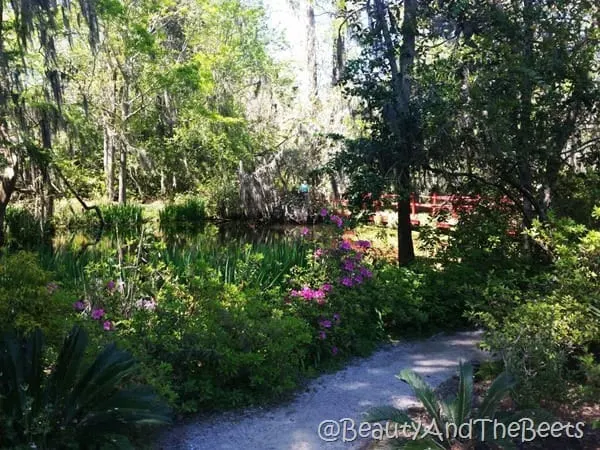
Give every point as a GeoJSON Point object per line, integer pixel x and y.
{"type": "Point", "coordinates": [241, 260]}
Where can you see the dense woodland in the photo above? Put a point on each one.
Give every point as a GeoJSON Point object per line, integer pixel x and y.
{"type": "Point", "coordinates": [132, 130]}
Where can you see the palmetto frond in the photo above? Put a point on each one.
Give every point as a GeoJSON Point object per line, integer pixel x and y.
{"type": "Point", "coordinates": [91, 407]}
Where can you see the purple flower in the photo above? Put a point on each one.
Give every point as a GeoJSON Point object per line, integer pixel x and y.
{"type": "Point", "coordinates": [345, 245]}
{"type": "Point", "coordinates": [348, 265]}
{"type": "Point", "coordinates": [322, 335]}
{"type": "Point", "coordinates": [97, 314]}
{"type": "Point", "coordinates": [358, 279]}
{"type": "Point", "coordinates": [337, 220]}
{"type": "Point", "coordinates": [107, 325]}
{"type": "Point", "coordinates": [347, 281]}
{"type": "Point", "coordinates": [364, 244]}
{"type": "Point", "coordinates": [325, 323]}
{"type": "Point", "coordinates": [324, 212]}
{"type": "Point", "coordinates": [326, 287]}
{"type": "Point", "coordinates": [304, 231]}
{"type": "Point", "coordinates": [79, 305]}
{"type": "Point", "coordinates": [111, 285]}
{"type": "Point", "coordinates": [334, 351]}
{"type": "Point", "coordinates": [336, 318]}
{"type": "Point", "coordinates": [366, 272]}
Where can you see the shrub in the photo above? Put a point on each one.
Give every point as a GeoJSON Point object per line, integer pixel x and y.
{"type": "Point", "coordinates": [25, 231]}
{"type": "Point", "coordinates": [63, 407]}
{"type": "Point", "coordinates": [29, 298]}
{"type": "Point", "coordinates": [209, 345]}
{"type": "Point", "coordinates": [551, 321]}
{"type": "Point", "coordinates": [185, 214]}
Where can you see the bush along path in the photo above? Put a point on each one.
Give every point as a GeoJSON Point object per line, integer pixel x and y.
{"type": "Point", "coordinates": [347, 394]}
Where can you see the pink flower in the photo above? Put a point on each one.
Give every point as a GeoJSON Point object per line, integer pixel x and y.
{"type": "Point", "coordinates": [295, 293]}
{"type": "Point", "coordinates": [324, 212]}
{"type": "Point", "coordinates": [322, 335]}
{"type": "Point", "coordinates": [146, 303]}
{"type": "Point", "coordinates": [79, 305]}
{"type": "Point", "coordinates": [325, 323]}
{"type": "Point", "coordinates": [345, 245]}
{"type": "Point", "coordinates": [347, 281]}
{"type": "Point", "coordinates": [318, 294]}
{"type": "Point", "coordinates": [321, 301]}
{"type": "Point", "coordinates": [334, 351]}
{"type": "Point", "coordinates": [318, 253]}
{"type": "Point", "coordinates": [326, 287]}
{"type": "Point", "coordinates": [306, 293]}
{"type": "Point", "coordinates": [97, 314]}
{"type": "Point", "coordinates": [305, 231]}
{"type": "Point", "coordinates": [107, 325]}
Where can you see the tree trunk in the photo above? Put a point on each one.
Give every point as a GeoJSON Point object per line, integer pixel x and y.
{"type": "Point", "coordinates": [406, 249]}
{"type": "Point", "coordinates": [398, 114]}
{"type": "Point", "coordinates": [109, 164]}
{"type": "Point", "coordinates": [311, 49]}
{"type": "Point", "coordinates": [525, 126]}
{"type": "Point", "coordinates": [123, 175]}
{"type": "Point", "coordinates": [163, 182]}
{"type": "Point", "coordinates": [8, 180]}
{"type": "Point", "coordinates": [123, 146]}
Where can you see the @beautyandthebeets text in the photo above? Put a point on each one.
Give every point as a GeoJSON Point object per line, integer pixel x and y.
{"type": "Point", "coordinates": [524, 430]}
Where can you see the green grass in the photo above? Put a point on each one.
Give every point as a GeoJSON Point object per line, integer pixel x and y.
{"type": "Point", "coordinates": [262, 265]}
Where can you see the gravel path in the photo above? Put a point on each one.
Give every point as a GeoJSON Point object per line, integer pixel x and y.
{"type": "Point", "coordinates": [346, 394]}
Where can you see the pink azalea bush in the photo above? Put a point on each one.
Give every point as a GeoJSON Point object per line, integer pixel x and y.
{"type": "Point", "coordinates": [321, 293]}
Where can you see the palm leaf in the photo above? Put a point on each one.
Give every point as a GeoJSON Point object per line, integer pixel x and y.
{"type": "Point", "coordinates": [423, 444]}
{"type": "Point", "coordinates": [387, 413]}
{"type": "Point", "coordinates": [67, 366]}
{"type": "Point", "coordinates": [465, 394]}
{"type": "Point", "coordinates": [497, 391]}
{"type": "Point", "coordinates": [102, 377]}
{"type": "Point", "coordinates": [423, 392]}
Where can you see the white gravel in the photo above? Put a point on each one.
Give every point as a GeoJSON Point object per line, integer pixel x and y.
{"type": "Point", "coordinates": [346, 394]}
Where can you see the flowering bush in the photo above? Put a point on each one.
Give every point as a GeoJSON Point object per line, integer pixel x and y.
{"type": "Point", "coordinates": [331, 293]}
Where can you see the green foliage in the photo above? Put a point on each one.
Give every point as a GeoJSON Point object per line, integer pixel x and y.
{"type": "Point", "coordinates": [67, 406]}
{"type": "Point", "coordinates": [123, 220]}
{"type": "Point", "coordinates": [29, 299]}
{"type": "Point", "coordinates": [209, 345]}
{"type": "Point", "coordinates": [450, 413]}
{"type": "Point", "coordinates": [417, 299]}
{"type": "Point", "coordinates": [551, 319]}
{"type": "Point", "coordinates": [187, 213]}
{"type": "Point", "coordinates": [576, 195]}
{"type": "Point", "coordinates": [119, 220]}
{"type": "Point", "coordinates": [25, 231]}
{"type": "Point", "coordinates": [590, 366]}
